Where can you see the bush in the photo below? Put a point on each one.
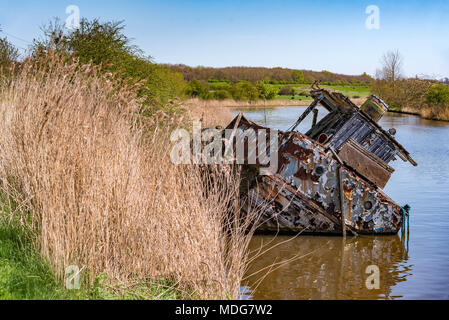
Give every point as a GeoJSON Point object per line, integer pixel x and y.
{"type": "Point", "coordinates": [298, 76]}
{"type": "Point", "coordinates": [266, 92]}
{"type": "Point", "coordinates": [8, 54]}
{"type": "Point", "coordinates": [222, 94]}
{"type": "Point", "coordinates": [105, 45]}
{"type": "Point", "coordinates": [244, 91]}
{"type": "Point", "coordinates": [287, 91]}
{"type": "Point", "coordinates": [407, 93]}
{"type": "Point", "coordinates": [197, 89]}
{"type": "Point", "coordinates": [438, 94]}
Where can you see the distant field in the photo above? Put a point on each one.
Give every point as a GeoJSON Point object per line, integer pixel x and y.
{"type": "Point", "coordinates": [351, 91]}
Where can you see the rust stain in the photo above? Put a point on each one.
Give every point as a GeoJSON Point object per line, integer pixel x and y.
{"type": "Point", "coordinates": [307, 181]}
{"type": "Point", "coordinates": [347, 189]}
{"type": "Point", "coordinates": [302, 174]}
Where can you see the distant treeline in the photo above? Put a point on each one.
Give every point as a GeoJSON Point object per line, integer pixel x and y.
{"type": "Point", "coordinates": [269, 75]}
{"type": "Point", "coordinates": [239, 91]}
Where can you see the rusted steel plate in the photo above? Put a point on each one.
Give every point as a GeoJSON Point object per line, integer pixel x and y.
{"type": "Point", "coordinates": [365, 163]}
{"type": "Point", "coordinates": [304, 194]}
{"type": "Point", "coordinates": [284, 210]}
{"type": "Point", "coordinates": [307, 167]}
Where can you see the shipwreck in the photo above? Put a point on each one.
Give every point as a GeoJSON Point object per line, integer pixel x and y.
{"type": "Point", "coordinates": [329, 180]}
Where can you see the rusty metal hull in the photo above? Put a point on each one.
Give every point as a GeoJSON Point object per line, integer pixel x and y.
{"type": "Point", "coordinates": [304, 194]}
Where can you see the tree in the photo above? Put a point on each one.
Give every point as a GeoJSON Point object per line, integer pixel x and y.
{"type": "Point", "coordinates": [266, 92]}
{"type": "Point", "coordinates": [222, 94]}
{"type": "Point", "coordinates": [244, 91]}
{"type": "Point", "coordinates": [298, 76]}
{"type": "Point", "coordinates": [287, 91]}
{"type": "Point", "coordinates": [197, 89]}
{"type": "Point", "coordinates": [8, 53]}
{"type": "Point", "coordinates": [104, 44]}
{"type": "Point", "coordinates": [366, 78]}
{"type": "Point", "coordinates": [438, 94]}
{"type": "Point", "coordinates": [391, 70]}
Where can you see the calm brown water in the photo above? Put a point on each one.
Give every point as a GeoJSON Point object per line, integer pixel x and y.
{"type": "Point", "coordinates": [413, 267]}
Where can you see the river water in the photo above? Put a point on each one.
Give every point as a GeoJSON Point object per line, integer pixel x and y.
{"type": "Point", "coordinates": [410, 267]}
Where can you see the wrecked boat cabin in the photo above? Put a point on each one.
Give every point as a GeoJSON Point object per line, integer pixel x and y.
{"type": "Point", "coordinates": [329, 180]}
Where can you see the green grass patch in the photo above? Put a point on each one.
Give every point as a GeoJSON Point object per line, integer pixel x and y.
{"type": "Point", "coordinates": [23, 272]}
{"type": "Point", "coordinates": [351, 91]}
{"type": "Point", "coordinates": [25, 275]}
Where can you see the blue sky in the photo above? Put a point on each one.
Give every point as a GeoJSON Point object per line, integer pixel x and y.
{"type": "Point", "coordinates": [316, 35]}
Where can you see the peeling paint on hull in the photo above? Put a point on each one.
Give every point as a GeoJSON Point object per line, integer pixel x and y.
{"type": "Point", "coordinates": [303, 195]}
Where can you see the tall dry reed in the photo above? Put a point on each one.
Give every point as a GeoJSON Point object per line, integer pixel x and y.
{"type": "Point", "coordinates": [99, 187]}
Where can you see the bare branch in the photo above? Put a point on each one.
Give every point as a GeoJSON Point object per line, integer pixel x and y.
{"type": "Point", "coordinates": [392, 62]}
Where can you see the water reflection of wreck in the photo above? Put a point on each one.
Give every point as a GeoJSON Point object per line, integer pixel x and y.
{"type": "Point", "coordinates": [329, 267]}
{"type": "Point", "coordinates": [329, 179]}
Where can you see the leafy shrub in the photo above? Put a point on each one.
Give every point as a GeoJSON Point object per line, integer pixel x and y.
{"type": "Point", "coordinates": [287, 91]}
{"type": "Point", "coordinates": [222, 94]}
{"type": "Point", "coordinates": [438, 94]}
{"type": "Point", "coordinates": [244, 91]}
{"type": "Point", "coordinates": [105, 45]}
{"type": "Point", "coordinates": [197, 89]}
{"type": "Point", "coordinates": [8, 54]}
{"type": "Point", "coordinates": [406, 93]}
{"type": "Point", "coordinates": [266, 92]}
{"type": "Point", "coordinates": [298, 76]}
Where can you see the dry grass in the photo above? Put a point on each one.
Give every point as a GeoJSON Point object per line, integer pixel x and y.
{"type": "Point", "coordinates": [434, 112]}
{"type": "Point", "coordinates": [101, 191]}
{"type": "Point", "coordinates": [211, 112]}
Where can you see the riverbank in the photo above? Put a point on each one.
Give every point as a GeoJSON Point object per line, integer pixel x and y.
{"type": "Point", "coordinates": [26, 275]}
{"type": "Point", "coordinates": [435, 114]}
{"type": "Point", "coordinates": [426, 98]}
{"type": "Point", "coordinates": [104, 186]}
{"type": "Point", "coordinates": [215, 111]}
{"type": "Point", "coordinates": [229, 103]}
{"type": "Point", "coordinates": [428, 113]}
